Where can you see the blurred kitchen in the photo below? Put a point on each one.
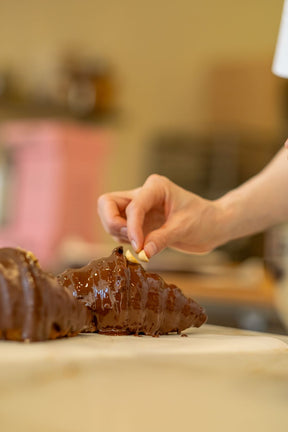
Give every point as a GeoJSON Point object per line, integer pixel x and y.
{"type": "Point", "coordinates": [95, 96]}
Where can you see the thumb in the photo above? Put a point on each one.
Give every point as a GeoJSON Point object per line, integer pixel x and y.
{"type": "Point", "coordinates": [159, 239]}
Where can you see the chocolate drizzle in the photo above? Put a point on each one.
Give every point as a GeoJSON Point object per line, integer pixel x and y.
{"type": "Point", "coordinates": [33, 306]}
{"type": "Point", "coordinates": [125, 299]}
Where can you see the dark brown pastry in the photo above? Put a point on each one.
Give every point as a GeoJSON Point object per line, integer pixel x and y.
{"type": "Point", "coordinates": [33, 306]}
{"type": "Point", "coordinates": [125, 299]}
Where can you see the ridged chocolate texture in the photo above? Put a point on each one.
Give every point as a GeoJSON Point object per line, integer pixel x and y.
{"type": "Point", "coordinates": [33, 306]}
{"type": "Point", "coordinates": [125, 299]}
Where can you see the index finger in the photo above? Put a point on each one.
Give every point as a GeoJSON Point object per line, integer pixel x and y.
{"type": "Point", "coordinates": [150, 195]}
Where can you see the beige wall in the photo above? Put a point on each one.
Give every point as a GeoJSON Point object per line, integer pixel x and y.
{"type": "Point", "coordinates": [163, 51]}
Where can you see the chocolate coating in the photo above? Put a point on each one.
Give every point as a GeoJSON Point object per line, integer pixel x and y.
{"type": "Point", "coordinates": [125, 299]}
{"type": "Point", "coordinates": [33, 306]}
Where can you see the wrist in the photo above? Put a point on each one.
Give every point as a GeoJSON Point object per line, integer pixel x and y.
{"type": "Point", "coordinates": [228, 219]}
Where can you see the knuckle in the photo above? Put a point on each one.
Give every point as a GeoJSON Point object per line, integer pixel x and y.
{"type": "Point", "coordinates": [156, 179]}
{"type": "Point", "coordinates": [101, 199]}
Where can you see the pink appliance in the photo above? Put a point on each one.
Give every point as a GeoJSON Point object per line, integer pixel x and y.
{"type": "Point", "coordinates": [51, 175]}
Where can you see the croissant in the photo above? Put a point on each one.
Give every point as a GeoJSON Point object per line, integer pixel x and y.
{"type": "Point", "coordinates": [125, 299]}
{"type": "Point", "coordinates": [33, 306]}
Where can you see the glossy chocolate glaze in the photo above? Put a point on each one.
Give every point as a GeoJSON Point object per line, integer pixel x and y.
{"type": "Point", "coordinates": [33, 306]}
{"type": "Point", "coordinates": [125, 299]}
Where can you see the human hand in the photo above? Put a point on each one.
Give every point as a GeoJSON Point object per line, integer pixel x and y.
{"type": "Point", "coordinates": [161, 214]}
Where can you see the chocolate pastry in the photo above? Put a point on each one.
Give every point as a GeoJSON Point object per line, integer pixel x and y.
{"type": "Point", "coordinates": [125, 299]}
{"type": "Point", "coordinates": [33, 306]}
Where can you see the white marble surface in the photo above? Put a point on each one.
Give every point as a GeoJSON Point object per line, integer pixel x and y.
{"type": "Point", "coordinates": [214, 379]}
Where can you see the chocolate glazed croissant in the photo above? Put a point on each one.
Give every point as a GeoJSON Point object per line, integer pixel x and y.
{"type": "Point", "coordinates": [125, 299]}
{"type": "Point", "coordinates": [33, 306]}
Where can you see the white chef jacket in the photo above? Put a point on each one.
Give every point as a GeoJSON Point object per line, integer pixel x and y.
{"type": "Point", "coordinates": [280, 62]}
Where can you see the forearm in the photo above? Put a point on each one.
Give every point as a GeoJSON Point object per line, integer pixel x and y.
{"type": "Point", "coordinates": [258, 204]}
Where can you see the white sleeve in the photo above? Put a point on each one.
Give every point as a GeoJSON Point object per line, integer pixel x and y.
{"type": "Point", "coordinates": [280, 62]}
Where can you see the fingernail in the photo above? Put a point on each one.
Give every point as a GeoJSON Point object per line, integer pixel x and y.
{"type": "Point", "coordinates": [134, 245]}
{"type": "Point", "coordinates": [150, 249]}
{"type": "Point", "coordinates": [123, 231]}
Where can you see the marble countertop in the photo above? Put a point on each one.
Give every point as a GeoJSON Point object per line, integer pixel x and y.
{"type": "Point", "coordinates": [216, 379]}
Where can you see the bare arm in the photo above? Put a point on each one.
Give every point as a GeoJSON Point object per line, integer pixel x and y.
{"type": "Point", "coordinates": [259, 203]}
{"type": "Point", "coordinates": [161, 214]}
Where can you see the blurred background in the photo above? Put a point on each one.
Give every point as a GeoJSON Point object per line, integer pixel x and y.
{"type": "Point", "coordinates": [95, 96]}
